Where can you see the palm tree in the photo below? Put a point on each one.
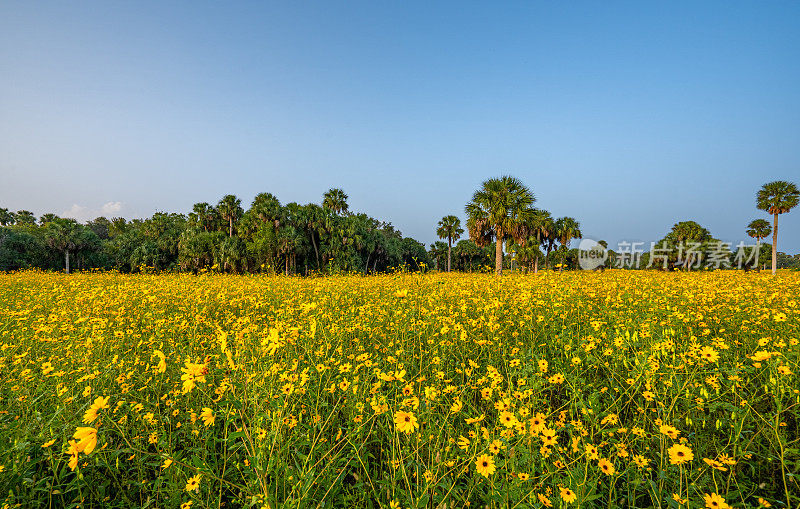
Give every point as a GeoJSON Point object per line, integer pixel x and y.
{"type": "Point", "coordinates": [497, 211]}
{"type": "Point", "coordinates": [47, 218]}
{"type": "Point", "coordinates": [776, 198]}
{"type": "Point", "coordinates": [758, 229]}
{"type": "Point", "coordinates": [267, 208]}
{"type": "Point", "coordinates": [204, 214]}
{"type": "Point", "coordinates": [537, 225]}
{"type": "Point", "coordinates": [230, 208]}
{"type": "Point", "coordinates": [24, 217]}
{"type": "Point", "coordinates": [450, 229]}
{"type": "Point", "coordinates": [336, 200]}
{"type": "Point", "coordinates": [566, 228]}
{"type": "Point", "coordinates": [64, 235]}
{"type": "Point", "coordinates": [6, 217]}
{"type": "Point", "coordinates": [692, 232]}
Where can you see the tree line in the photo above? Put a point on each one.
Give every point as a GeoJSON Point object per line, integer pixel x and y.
{"type": "Point", "coordinates": [266, 237]}
{"type": "Point", "coordinates": [504, 230]}
{"type": "Point", "coordinates": [502, 212]}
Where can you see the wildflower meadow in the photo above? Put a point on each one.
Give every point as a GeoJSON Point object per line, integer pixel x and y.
{"type": "Point", "coordinates": [613, 389]}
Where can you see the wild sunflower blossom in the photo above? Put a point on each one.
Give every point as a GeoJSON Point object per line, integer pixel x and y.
{"type": "Point", "coordinates": [192, 374]}
{"type": "Point", "coordinates": [193, 483]}
{"type": "Point", "coordinates": [208, 416]}
{"type": "Point", "coordinates": [680, 454]}
{"type": "Point", "coordinates": [90, 415]}
{"type": "Point", "coordinates": [714, 501]}
{"type": "Point", "coordinates": [405, 422]}
{"type": "Point", "coordinates": [485, 465]}
{"type": "Point", "coordinates": [567, 495]}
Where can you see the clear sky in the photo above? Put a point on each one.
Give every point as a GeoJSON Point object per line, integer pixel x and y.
{"type": "Point", "coordinates": [629, 116]}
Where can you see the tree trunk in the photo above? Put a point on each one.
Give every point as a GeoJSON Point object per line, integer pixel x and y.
{"type": "Point", "coordinates": [66, 260]}
{"type": "Point", "coordinates": [316, 251]}
{"type": "Point", "coordinates": [536, 264]}
{"type": "Point", "coordinates": [547, 258]}
{"type": "Point", "coordinates": [366, 265]}
{"type": "Point", "coordinates": [775, 245]}
{"type": "Point", "coordinates": [286, 266]}
{"type": "Point", "coordinates": [498, 255]}
{"type": "Point", "coordinates": [758, 255]}
{"type": "Point", "coordinates": [561, 267]}
{"type": "Point", "coordinates": [230, 232]}
{"type": "Point", "coordinates": [449, 248]}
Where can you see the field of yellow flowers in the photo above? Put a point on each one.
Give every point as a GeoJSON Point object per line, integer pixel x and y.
{"type": "Point", "coordinates": [614, 389]}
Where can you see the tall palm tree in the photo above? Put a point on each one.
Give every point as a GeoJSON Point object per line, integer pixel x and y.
{"type": "Point", "coordinates": [336, 200]}
{"type": "Point", "coordinates": [24, 217]}
{"type": "Point", "coordinates": [566, 228]}
{"type": "Point", "coordinates": [776, 198]}
{"type": "Point", "coordinates": [204, 215]}
{"type": "Point", "coordinates": [536, 227]}
{"type": "Point", "coordinates": [267, 208]}
{"type": "Point", "coordinates": [758, 229]}
{"type": "Point", "coordinates": [450, 229]}
{"type": "Point", "coordinates": [230, 208]}
{"type": "Point", "coordinates": [497, 211]}
{"type": "Point", "coordinates": [64, 235]}
{"type": "Point", "coordinates": [6, 217]}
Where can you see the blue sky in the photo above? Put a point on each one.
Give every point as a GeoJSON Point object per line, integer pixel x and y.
{"type": "Point", "coordinates": [629, 116]}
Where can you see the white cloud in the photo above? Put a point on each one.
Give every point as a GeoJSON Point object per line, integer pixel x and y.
{"type": "Point", "coordinates": [82, 214]}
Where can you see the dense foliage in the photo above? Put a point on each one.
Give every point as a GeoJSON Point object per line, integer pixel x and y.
{"type": "Point", "coordinates": [267, 237]}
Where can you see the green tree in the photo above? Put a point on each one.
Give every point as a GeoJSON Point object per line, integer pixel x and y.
{"type": "Point", "coordinates": [6, 217]}
{"type": "Point", "coordinates": [46, 218]}
{"type": "Point", "coordinates": [101, 226]}
{"type": "Point", "coordinates": [566, 229]}
{"type": "Point", "coordinates": [497, 211]}
{"type": "Point", "coordinates": [230, 208]}
{"type": "Point", "coordinates": [439, 253]}
{"type": "Point", "coordinates": [335, 200]}
{"type": "Point", "coordinates": [537, 225]}
{"type": "Point", "coordinates": [205, 216]}
{"type": "Point", "coordinates": [758, 229]}
{"type": "Point", "coordinates": [64, 235]}
{"type": "Point", "coordinates": [687, 232]}
{"type": "Point", "coordinates": [450, 229]}
{"type": "Point", "coordinates": [24, 217]}
{"type": "Point", "coordinates": [21, 250]}
{"type": "Point", "coordinates": [776, 198]}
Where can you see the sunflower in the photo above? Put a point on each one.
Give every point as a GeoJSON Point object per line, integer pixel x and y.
{"type": "Point", "coordinates": [714, 501]}
{"type": "Point", "coordinates": [567, 495]}
{"type": "Point", "coordinates": [208, 416]}
{"type": "Point", "coordinates": [544, 500]}
{"type": "Point", "coordinates": [193, 483]}
{"type": "Point", "coordinates": [680, 454]}
{"type": "Point", "coordinates": [549, 437]}
{"type": "Point", "coordinates": [709, 354]}
{"type": "Point", "coordinates": [507, 419]}
{"type": "Point", "coordinates": [670, 431]}
{"type": "Point", "coordinates": [87, 440]}
{"type": "Point", "coordinates": [715, 464]}
{"type": "Point", "coordinates": [485, 465]}
{"type": "Point", "coordinates": [405, 421]}
{"type": "Point", "coordinates": [606, 466]}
